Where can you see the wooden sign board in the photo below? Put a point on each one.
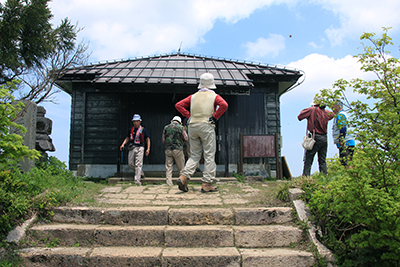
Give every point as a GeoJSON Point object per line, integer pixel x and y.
{"type": "Point", "coordinates": [258, 146]}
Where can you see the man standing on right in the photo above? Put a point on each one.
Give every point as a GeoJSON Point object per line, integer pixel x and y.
{"type": "Point", "coordinates": [174, 135]}
{"type": "Point", "coordinates": [320, 125]}
{"type": "Point", "coordinates": [206, 107]}
{"type": "Point", "coordinates": [342, 137]}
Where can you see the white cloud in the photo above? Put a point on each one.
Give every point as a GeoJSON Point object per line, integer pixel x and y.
{"type": "Point", "coordinates": [358, 16]}
{"type": "Point", "coordinates": [271, 46]}
{"type": "Point", "coordinates": [322, 71]}
{"type": "Point", "coordinates": [125, 28]}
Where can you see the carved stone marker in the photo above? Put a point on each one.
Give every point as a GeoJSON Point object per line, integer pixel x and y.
{"type": "Point", "coordinates": [27, 118]}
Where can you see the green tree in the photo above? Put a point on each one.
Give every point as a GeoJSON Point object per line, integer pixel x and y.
{"type": "Point", "coordinates": [25, 36]}
{"type": "Point", "coordinates": [32, 51]}
{"type": "Point", "coordinates": [359, 212]}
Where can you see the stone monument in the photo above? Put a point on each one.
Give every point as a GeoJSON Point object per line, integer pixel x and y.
{"type": "Point", "coordinates": [44, 127]}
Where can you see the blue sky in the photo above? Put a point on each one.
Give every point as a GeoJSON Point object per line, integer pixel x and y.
{"type": "Point", "coordinates": [318, 37]}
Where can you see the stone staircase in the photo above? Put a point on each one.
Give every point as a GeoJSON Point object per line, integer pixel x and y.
{"type": "Point", "coordinates": [167, 236]}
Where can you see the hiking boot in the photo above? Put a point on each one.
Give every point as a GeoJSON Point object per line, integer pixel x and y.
{"type": "Point", "coordinates": [207, 187]}
{"type": "Point", "coordinates": [183, 183]}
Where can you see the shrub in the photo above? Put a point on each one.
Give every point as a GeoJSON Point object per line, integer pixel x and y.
{"type": "Point", "coordinates": [359, 215]}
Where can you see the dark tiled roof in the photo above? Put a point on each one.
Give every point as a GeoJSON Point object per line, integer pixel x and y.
{"type": "Point", "coordinates": [178, 68]}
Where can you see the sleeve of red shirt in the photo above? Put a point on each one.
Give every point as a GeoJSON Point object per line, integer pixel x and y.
{"type": "Point", "coordinates": [330, 114]}
{"type": "Point", "coordinates": [223, 106]}
{"type": "Point", "coordinates": [183, 106]}
{"type": "Point", "coordinates": [305, 113]}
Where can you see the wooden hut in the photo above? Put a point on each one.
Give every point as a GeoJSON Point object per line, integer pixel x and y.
{"type": "Point", "coordinates": [107, 94]}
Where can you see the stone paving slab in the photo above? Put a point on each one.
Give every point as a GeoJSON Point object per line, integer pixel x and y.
{"type": "Point", "coordinates": [115, 189]}
{"type": "Point", "coordinates": [126, 202]}
{"type": "Point", "coordinates": [113, 235]}
{"type": "Point", "coordinates": [201, 257]}
{"type": "Point", "coordinates": [60, 257]}
{"type": "Point", "coordinates": [142, 196]}
{"type": "Point", "coordinates": [193, 202]}
{"type": "Point", "coordinates": [125, 256]}
{"type": "Point", "coordinates": [276, 258]}
{"type": "Point", "coordinates": [186, 196]}
{"type": "Point", "coordinates": [199, 236]}
{"type": "Point", "coordinates": [67, 234]}
{"type": "Point", "coordinates": [201, 216]}
{"type": "Point", "coordinates": [235, 201]}
{"type": "Point", "coordinates": [134, 190]}
{"type": "Point", "coordinates": [262, 216]}
{"type": "Point", "coordinates": [266, 236]}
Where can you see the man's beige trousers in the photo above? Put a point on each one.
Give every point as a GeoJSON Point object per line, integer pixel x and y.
{"type": "Point", "coordinates": [202, 139]}
{"type": "Point", "coordinates": [135, 160]}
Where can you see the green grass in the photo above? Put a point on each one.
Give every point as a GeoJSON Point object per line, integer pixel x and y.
{"type": "Point", "coordinates": [47, 185]}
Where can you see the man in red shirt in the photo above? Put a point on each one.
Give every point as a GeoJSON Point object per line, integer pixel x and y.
{"type": "Point", "coordinates": [320, 125]}
{"type": "Point", "coordinates": [203, 108]}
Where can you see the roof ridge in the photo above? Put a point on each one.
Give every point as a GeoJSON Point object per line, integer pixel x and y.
{"type": "Point", "coordinates": [253, 63]}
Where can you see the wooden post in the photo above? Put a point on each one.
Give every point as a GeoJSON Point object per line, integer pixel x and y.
{"type": "Point", "coordinates": [277, 158]}
{"type": "Point", "coordinates": [240, 165]}
{"type": "Point", "coordinates": [83, 129]}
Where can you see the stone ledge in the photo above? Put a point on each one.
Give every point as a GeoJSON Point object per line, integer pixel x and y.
{"type": "Point", "coordinates": [115, 216]}
{"type": "Point", "coordinates": [265, 236]}
{"type": "Point", "coordinates": [303, 214]}
{"type": "Point", "coordinates": [19, 232]}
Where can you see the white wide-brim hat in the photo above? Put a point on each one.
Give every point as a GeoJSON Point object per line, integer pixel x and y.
{"type": "Point", "coordinates": [207, 80]}
{"type": "Point", "coordinates": [136, 117]}
{"type": "Point", "coordinates": [177, 118]}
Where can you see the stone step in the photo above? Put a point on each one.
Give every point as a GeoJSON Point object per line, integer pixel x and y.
{"type": "Point", "coordinates": [162, 180]}
{"type": "Point", "coordinates": [158, 256]}
{"type": "Point", "coordinates": [168, 236]}
{"type": "Point", "coordinates": [172, 216]}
